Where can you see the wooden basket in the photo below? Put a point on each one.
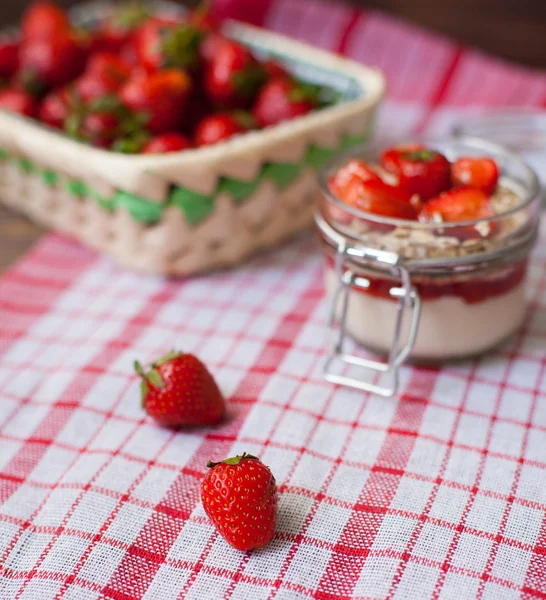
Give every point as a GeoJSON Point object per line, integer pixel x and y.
{"type": "Point", "coordinates": [197, 210]}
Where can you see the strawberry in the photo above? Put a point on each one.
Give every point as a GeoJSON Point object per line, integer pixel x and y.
{"type": "Point", "coordinates": [105, 74]}
{"type": "Point", "coordinates": [234, 76]}
{"type": "Point", "coordinates": [458, 204]}
{"type": "Point", "coordinates": [202, 17]}
{"type": "Point", "coordinates": [51, 63]}
{"type": "Point", "coordinates": [179, 391]}
{"type": "Point", "coordinates": [43, 20]}
{"type": "Point", "coordinates": [275, 70]}
{"type": "Point", "coordinates": [210, 46]}
{"type": "Point", "coordinates": [167, 142]}
{"type": "Point", "coordinates": [345, 182]}
{"type": "Point", "coordinates": [239, 496]}
{"type": "Point", "coordinates": [16, 100]}
{"type": "Point", "coordinates": [284, 99]}
{"type": "Point", "coordinates": [100, 128]}
{"type": "Point", "coordinates": [222, 126]}
{"type": "Point", "coordinates": [481, 173]}
{"type": "Point", "coordinates": [162, 96]}
{"type": "Point", "coordinates": [379, 198]}
{"type": "Point", "coordinates": [9, 59]}
{"type": "Point", "coordinates": [419, 170]}
{"type": "Point", "coordinates": [55, 108]}
{"type": "Point", "coordinates": [116, 31]}
{"type": "Point", "coordinates": [162, 43]}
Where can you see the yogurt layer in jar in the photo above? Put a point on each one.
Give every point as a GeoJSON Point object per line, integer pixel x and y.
{"type": "Point", "coordinates": [444, 279]}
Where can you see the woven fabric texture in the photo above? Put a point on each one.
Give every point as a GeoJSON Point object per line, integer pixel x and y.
{"type": "Point", "coordinates": [437, 494]}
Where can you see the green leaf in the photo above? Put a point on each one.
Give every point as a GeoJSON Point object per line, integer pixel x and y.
{"type": "Point", "coordinates": [180, 46]}
{"type": "Point", "coordinates": [248, 81]}
{"type": "Point", "coordinates": [234, 460]}
{"type": "Point", "coordinates": [244, 119]}
{"type": "Point", "coordinates": [167, 358]}
{"type": "Point", "coordinates": [139, 370]}
{"type": "Point", "coordinates": [155, 378]}
{"type": "Point", "coordinates": [144, 389]}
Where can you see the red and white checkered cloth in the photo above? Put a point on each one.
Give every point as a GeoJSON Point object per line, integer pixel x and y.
{"type": "Point", "coordinates": [439, 494]}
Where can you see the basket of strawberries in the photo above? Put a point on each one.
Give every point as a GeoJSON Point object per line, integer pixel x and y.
{"type": "Point", "coordinates": [173, 143]}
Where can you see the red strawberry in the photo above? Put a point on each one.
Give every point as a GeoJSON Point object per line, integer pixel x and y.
{"type": "Point", "coordinates": [222, 126]}
{"type": "Point", "coordinates": [282, 100]}
{"type": "Point", "coordinates": [167, 142]}
{"type": "Point", "coordinates": [345, 182]}
{"type": "Point", "coordinates": [105, 74]}
{"type": "Point", "coordinates": [16, 100]}
{"type": "Point", "coordinates": [419, 170]}
{"type": "Point", "coordinates": [239, 496]}
{"type": "Point", "coordinates": [163, 43]}
{"type": "Point", "coordinates": [234, 76]}
{"type": "Point", "coordinates": [459, 204]}
{"type": "Point", "coordinates": [100, 128]}
{"type": "Point", "coordinates": [162, 96]}
{"type": "Point", "coordinates": [482, 173]}
{"type": "Point", "coordinates": [9, 59]}
{"type": "Point", "coordinates": [378, 198]}
{"type": "Point", "coordinates": [44, 19]}
{"type": "Point", "coordinates": [179, 391]}
{"type": "Point", "coordinates": [115, 32]}
{"type": "Point", "coordinates": [202, 17]}
{"type": "Point", "coordinates": [275, 70]}
{"type": "Point", "coordinates": [55, 108]}
{"type": "Point", "coordinates": [51, 63]}
{"type": "Point", "coordinates": [210, 46]}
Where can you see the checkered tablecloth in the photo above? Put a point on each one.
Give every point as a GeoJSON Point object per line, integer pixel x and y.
{"type": "Point", "coordinates": [438, 494]}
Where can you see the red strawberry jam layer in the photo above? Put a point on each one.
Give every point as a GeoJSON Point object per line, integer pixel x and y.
{"type": "Point", "coordinates": [471, 291]}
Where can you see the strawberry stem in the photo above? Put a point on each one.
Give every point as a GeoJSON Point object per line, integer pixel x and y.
{"type": "Point", "coordinates": [234, 460]}
{"type": "Point", "coordinates": [139, 370]}
{"type": "Point", "coordinates": [151, 377]}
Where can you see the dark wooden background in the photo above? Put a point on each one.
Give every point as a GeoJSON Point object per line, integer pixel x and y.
{"type": "Point", "coordinates": [513, 29]}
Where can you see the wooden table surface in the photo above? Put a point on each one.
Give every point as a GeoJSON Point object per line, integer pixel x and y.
{"type": "Point", "coordinates": [514, 29]}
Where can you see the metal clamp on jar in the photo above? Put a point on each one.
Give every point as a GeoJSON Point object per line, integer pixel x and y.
{"type": "Point", "coordinates": [425, 291]}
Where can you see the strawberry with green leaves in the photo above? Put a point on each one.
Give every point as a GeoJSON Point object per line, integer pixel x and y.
{"type": "Point", "coordinates": [56, 107]}
{"type": "Point", "coordinates": [283, 99]}
{"type": "Point", "coordinates": [49, 63]}
{"type": "Point", "coordinates": [240, 497]}
{"type": "Point", "coordinates": [116, 31]}
{"type": "Point", "coordinates": [161, 96]}
{"type": "Point", "coordinates": [105, 73]}
{"type": "Point", "coordinates": [179, 391]}
{"type": "Point", "coordinates": [222, 126]}
{"type": "Point", "coordinates": [234, 76]}
{"type": "Point", "coordinates": [43, 19]}
{"type": "Point", "coordinates": [162, 43]}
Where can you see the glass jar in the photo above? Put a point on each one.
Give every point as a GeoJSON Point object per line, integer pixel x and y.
{"type": "Point", "coordinates": [425, 291]}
